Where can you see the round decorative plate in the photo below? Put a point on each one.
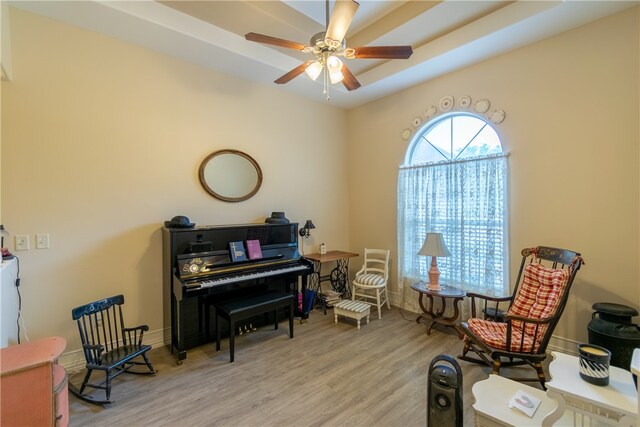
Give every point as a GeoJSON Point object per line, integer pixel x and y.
{"type": "Point", "coordinates": [430, 111]}
{"type": "Point", "coordinates": [446, 103]}
{"type": "Point", "coordinates": [482, 106]}
{"type": "Point", "coordinates": [464, 102]}
{"type": "Point", "coordinates": [406, 134]}
{"type": "Point", "coordinates": [497, 116]}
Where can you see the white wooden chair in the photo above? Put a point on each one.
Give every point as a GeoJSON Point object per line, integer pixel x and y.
{"type": "Point", "coordinates": [370, 283]}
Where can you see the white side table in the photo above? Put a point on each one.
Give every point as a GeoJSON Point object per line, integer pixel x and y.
{"type": "Point", "coordinates": [491, 407]}
{"type": "Point", "coordinates": [615, 404]}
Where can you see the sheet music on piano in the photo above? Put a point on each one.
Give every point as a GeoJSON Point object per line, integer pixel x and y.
{"type": "Point", "coordinates": [198, 270]}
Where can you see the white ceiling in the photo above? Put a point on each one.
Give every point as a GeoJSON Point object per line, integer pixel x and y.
{"type": "Point", "coordinates": [445, 35]}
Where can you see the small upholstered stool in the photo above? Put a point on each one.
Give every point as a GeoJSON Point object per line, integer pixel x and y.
{"type": "Point", "coordinates": [351, 309]}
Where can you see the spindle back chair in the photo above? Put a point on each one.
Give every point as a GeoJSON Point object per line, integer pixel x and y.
{"type": "Point", "coordinates": [108, 345]}
{"type": "Point", "coordinates": [519, 331]}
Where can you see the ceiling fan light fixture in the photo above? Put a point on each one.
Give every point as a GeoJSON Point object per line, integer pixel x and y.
{"type": "Point", "coordinates": [314, 70]}
{"type": "Point", "coordinates": [334, 64]}
{"type": "Point", "coordinates": [336, 76]}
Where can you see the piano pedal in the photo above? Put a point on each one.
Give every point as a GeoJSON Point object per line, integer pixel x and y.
{"type": "Point", "coordinates": [240, 330]}
{"type": "Point", "coordinates": [246, 329]}
{"type": "Point", "coordinates": [252, 327]}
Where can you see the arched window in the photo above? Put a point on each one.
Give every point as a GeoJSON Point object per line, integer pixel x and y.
{"type": "Point", "coordinates": [453, 137]}
{"type": "Point", "coordinates": [454, 182]}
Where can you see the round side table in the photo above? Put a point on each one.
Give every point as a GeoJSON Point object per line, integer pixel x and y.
{"type": "Point", "coordinates": [444, 293]}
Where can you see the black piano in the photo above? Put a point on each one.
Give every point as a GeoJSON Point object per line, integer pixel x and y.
{"type": "Point", "coordinates": [198, 271]}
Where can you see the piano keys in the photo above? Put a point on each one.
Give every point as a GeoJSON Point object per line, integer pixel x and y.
{"type": "Point", "coordinates": [198, 271]}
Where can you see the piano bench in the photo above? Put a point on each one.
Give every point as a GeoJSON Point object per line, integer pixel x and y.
{"type": "Point", "coordinates": [245, 308]}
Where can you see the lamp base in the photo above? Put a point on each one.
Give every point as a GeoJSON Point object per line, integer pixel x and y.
{"type": "Point", "coordinates": [434, 275]}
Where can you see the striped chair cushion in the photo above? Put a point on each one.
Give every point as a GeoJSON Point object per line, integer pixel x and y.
{"type": "Point", "coordinates": [370, 279]}
{"type": "Point", "coordinates": [495, 335]}
{"type": "Point", "coordinates": [538, 297]}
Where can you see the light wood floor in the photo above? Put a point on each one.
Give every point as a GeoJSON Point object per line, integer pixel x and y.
{"type": "Point", "coordinates": [327, 375]}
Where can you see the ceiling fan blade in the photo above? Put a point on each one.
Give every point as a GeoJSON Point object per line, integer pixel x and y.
{"type": "Point", "coordinates": [261, 38]}
{"type": "Point", "coordinates": [383, 52]}
{"type": "Point", "coordinates": [286, 78]}
{"type": "Point", "coordinates": [343, 11]}
{"type": "Point", "coordinates": [349, 81]}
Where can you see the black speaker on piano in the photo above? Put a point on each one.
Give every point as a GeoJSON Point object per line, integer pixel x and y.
{"type": "Point", "coordinates": [444, 394]}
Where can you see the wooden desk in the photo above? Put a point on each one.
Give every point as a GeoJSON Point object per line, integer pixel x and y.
{"type": "Point", "coordinates": [615, 404]}
{"type": "Point", "coordinates": [339, 275]}
{"type": "Point", "coordinates": [34, 387]}
{"type": "Point", "coordinates": [444, 293]}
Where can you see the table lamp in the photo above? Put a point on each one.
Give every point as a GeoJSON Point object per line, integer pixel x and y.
{"type": "Point", "coordinates": [3, 234]}
{"type": "Point", "coordinates": [434, 247]}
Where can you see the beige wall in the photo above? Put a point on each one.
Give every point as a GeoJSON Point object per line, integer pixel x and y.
{"type": "Point", "coordinates": [101, 143]}
{"type": "Point", "coordinates": [572, 128]}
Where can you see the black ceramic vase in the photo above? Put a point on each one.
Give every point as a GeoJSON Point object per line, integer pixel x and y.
{"type": "Point", "coordinates": [277, 218]}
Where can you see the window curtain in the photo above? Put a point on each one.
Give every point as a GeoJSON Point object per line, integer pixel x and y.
{"type": "Point", "coordinates": [466, 201]}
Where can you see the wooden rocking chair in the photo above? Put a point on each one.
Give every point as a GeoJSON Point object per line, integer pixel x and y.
{"type": "Point", "coordinates": [515, 330]}
{"type": "Point", "coordinates": [108, 346]}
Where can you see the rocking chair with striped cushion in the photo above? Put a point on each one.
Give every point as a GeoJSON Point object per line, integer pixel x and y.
{"type": "Point", "coordinates": [520, 333]}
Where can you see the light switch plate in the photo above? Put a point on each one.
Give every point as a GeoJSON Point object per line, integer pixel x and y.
{"type": "Point", "coordinates": [42, 241]}
{"type": "Point", "coordinates": [22, 242]}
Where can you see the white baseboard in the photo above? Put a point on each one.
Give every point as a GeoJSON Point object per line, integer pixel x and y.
{"type": "Point", "coordinates": [74, 361]}
{"type": "Point", "coordinates": [563, 345]}
{"type": "Point", "coordinates": [396, 300]}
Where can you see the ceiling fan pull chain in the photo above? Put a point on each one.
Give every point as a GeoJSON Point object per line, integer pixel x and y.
{"type": "Point", "coordinates": [325, 77]}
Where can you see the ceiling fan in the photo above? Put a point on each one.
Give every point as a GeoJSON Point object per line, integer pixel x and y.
{"type": "Point", "coordinates": [327, 46]}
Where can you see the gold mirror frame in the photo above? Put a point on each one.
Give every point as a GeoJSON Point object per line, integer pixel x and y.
{"type": "Point", "coordinates": [209, 186]}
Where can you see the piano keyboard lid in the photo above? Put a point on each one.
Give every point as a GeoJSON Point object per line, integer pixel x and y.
{"type": "Point", "coordinates": [191, 265]}
{"type": "Point", "coordinates": [206, 263]}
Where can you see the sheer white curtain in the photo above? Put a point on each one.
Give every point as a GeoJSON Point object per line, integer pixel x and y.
{"type": "Point", "coordinates": [466, 201]}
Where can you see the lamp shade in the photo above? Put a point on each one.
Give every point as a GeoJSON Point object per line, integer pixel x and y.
{"type": "Point", "coordinates": [314, 70]}
{"type": "Point", "coordinates": [434, 246]}
{"type": "Point", "coordinates": [309, 225]}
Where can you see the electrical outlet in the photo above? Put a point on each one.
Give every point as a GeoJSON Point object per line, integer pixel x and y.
{"type": "Point", "coordinates": [22, 242]}
{"type": "Point", "coordinates": [42, 241]}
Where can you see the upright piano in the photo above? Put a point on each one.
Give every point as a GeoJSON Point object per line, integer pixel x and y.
{"type": "Point", "coordinates": [198, 271]}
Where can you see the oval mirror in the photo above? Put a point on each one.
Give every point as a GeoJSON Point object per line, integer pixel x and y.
{"type": "Point", "coordinates": [230, 175]}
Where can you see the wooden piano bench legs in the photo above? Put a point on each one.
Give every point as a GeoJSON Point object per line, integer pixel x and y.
{"type": "Point", "coordinates": [242, 309]}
